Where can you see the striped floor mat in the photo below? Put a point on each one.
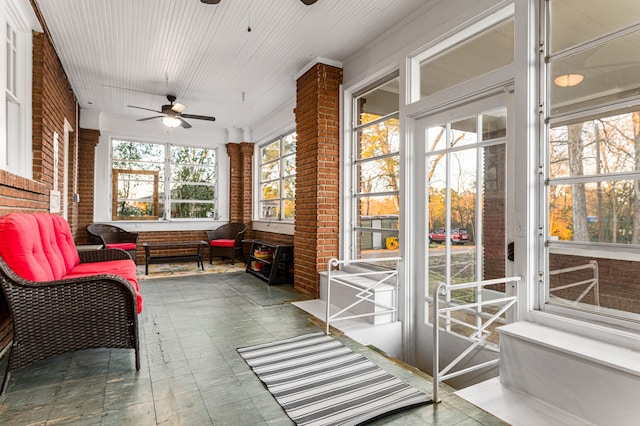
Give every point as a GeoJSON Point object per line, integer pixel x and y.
{"type": "Point", "coordinates": [319, 381]}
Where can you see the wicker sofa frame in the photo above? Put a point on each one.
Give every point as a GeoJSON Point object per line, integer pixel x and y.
{"type": "Point", "coordinates": [54, 317]}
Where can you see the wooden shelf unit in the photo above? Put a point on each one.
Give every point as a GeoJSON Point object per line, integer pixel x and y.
{"type": "Point", "coordinates": [271, 262]}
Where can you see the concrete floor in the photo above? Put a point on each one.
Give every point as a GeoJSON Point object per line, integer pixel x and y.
{"type": "Point", "coordinates": [191, 373]}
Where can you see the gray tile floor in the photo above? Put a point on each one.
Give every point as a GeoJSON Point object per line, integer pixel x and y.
{"type": "Point", "coordinates": [191, 372]}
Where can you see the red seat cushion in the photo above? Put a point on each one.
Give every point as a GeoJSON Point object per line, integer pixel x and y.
{"type": "Point", "coordinates": [123, 268]}
{"type": "Point", "coordinates": [122, 246]}
{"type": "Point", "coordinates": [222, 243]}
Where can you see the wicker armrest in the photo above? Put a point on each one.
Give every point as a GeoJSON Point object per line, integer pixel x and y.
{"type": "Point", "coordinates": [89, 256]}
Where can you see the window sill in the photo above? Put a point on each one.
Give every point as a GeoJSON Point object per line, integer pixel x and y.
{"type": "Point", "coordinates": [276, 227]}
{"type": "Point", "coordinates": [166, 225]}
{"type": "Point", "coordinates": [616, 335]}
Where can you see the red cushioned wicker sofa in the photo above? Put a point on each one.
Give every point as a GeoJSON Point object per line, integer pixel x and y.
{"type": "Point", "coordinates": [61, 300]}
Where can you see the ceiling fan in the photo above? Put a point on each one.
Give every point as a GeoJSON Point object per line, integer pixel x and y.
{"type": "Point", "coordinates": [172, 115]}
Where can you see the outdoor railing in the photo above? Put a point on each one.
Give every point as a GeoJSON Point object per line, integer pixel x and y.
{"type": "Point", "coordinates": [364, 293]}
{"type": "Point", "coordinates": [479, 336]}
{"type": "Point", "coordinates": [591, 283]}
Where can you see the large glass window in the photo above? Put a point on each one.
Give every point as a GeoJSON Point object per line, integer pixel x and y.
{"type": "Point", "coordinates": [15, 140]}
{"type": "Point", "coordinates": [592, 181]}
{"type": "Point", "coordinates": [158, 181]}
{"type": "Point", "coordinates": [278, 179]}
{"type": "Point", "coordinates": [376, 166]}
{"type": "Point", "coordinates": [480, 49]}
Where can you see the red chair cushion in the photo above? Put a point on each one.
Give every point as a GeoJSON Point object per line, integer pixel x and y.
{"type": "Point", "coordinates": [123, 268]}
{"type": "Point", "coordinates": [122, 246]}
{"type": "Point", "coordinates": [222, 243]}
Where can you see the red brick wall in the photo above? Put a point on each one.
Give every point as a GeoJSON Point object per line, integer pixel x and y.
{"type": "Point", "coordinates": [88, 139]}
{"type": "Point", "coordinates": [52, 102]}
{"type": "Point", "coordinates": [317, 174]}
{"type": "Point", "coordinates": [494, 214]}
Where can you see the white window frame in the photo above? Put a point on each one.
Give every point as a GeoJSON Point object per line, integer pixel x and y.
{"type": "Point", "coordinates": [281, 179]}
{"type": "Point", "coordinates": [355, 194]}
{"type": "Point", "coordinates": [166, 165]}
{"type": "Point", "coordinates": [567, 317]}
{"type": "Point", "coordinates": [16, 155]}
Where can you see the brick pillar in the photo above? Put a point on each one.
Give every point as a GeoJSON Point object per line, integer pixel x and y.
{"type": "Point", "coordinates": [240, 182]}
{"type": "Point", "coordinates": [317, 174]}
{"type": "Point", "coordinates": [87, 141]}
{"type": "Point", "coordinates": [246, 150]}
{"type": "Point", "coordinates": [235, 181]}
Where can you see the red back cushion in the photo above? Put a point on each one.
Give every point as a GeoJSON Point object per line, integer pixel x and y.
{"type": "Point", "coordinates": [21, 247]}
{"type": "Point", "coordinates": [65, 242]}
{"type": "Point", "coordinates": [49, 243]}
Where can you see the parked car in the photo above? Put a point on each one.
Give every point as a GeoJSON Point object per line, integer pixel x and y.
{"type": "Point", "coordinates": [457, 235]}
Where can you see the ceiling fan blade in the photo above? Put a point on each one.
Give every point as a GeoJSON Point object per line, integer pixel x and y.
{"type": "Point", "coordinates": [150, 118]}
{"type": "Point", "coordinates": [146, 109]}
{"type": "Point", "coordinates": [178, 107]}
{"type": "Point", "coordinates": [199, 117]}
{"type": "Point", "coordinates": [183, 123]}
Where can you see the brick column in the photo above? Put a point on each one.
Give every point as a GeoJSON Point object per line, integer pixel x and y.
{"type": "Point", "coordinates": [317, 174]}
{"type": "Point", "coordinates": [87, 141]}
{"type": "Point", "coordinates": [240, 182]}
{"type": "Point", "coordinates": [235, 181]}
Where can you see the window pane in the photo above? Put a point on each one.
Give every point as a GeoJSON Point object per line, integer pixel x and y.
{"type": "Point", "coordinates": [464, 132]}
{"type": "Point", "coordinates": [379, 102]}
{"type": "Point", "coordinates": [270, 190]}
{"type": "Point", "coordinates": [610, 73]}
{"type": "Point", "coordinates": [379, 175]}
{"type": "Point", "coordinates": [125, 150]}
{"type": "Point", "coordinates": [135, 209]}
{"type": "Point", "coordinates": [289, 209]}
{"type": "Point", "coordinates": [371, 244]}
{"type": "Point", "coordinates": [436, 138]}
{"type": "Point", "coordinates": [572, 23]}
{"type": "Point", "coordinates": [594, 211]}
{"type": "Point", "coordinates": [192, 192]}
{"type": "Point", "coordinates": [289, 165]}
{"type": "Point", "coordinates": [379, 139]}
{"type": "Point", "coordinates": [289, 142]}
{"type": "Point", "coordinates": [386, 205]}
{"type": "Point", "coordinates": [494, 124]}
{"type": "Point", "coordinates": [289, 188]}
{"type": "Point", "coordinates": [192, 210]}
{"type": "Point", "coordinates": [192, 174]}
{"type": "Point", "coordinates": [594, 284]}
{"type": "Point", "coordinates": [270, 171]}
{"type": "Point", "coordinates": [595, 146]}
{"type": "Point", "coordinates": [270, 209]}
{"type": "Point", "coordinates": [188, 155]}
{"type": "Point", "coordinates": [485, 52]}
{"type": "Point", "coordinates": [271, 151]}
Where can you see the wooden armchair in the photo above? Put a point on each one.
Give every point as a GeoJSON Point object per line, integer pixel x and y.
{"type": "Point", "coordinates": [226, 241]}
{"type": "Point", "coordinates": [113, 237]}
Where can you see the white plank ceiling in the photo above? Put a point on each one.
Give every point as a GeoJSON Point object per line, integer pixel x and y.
{"type": "Point", "coordinates": [135, 52]}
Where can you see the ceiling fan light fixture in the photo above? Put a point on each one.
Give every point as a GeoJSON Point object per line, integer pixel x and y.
{"type": "Point", "coordinates": [308, 2]}
{"type": "Point", "coordinates": [171, 121]}
{"type": "Point", "coordinates": [568, 80]}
